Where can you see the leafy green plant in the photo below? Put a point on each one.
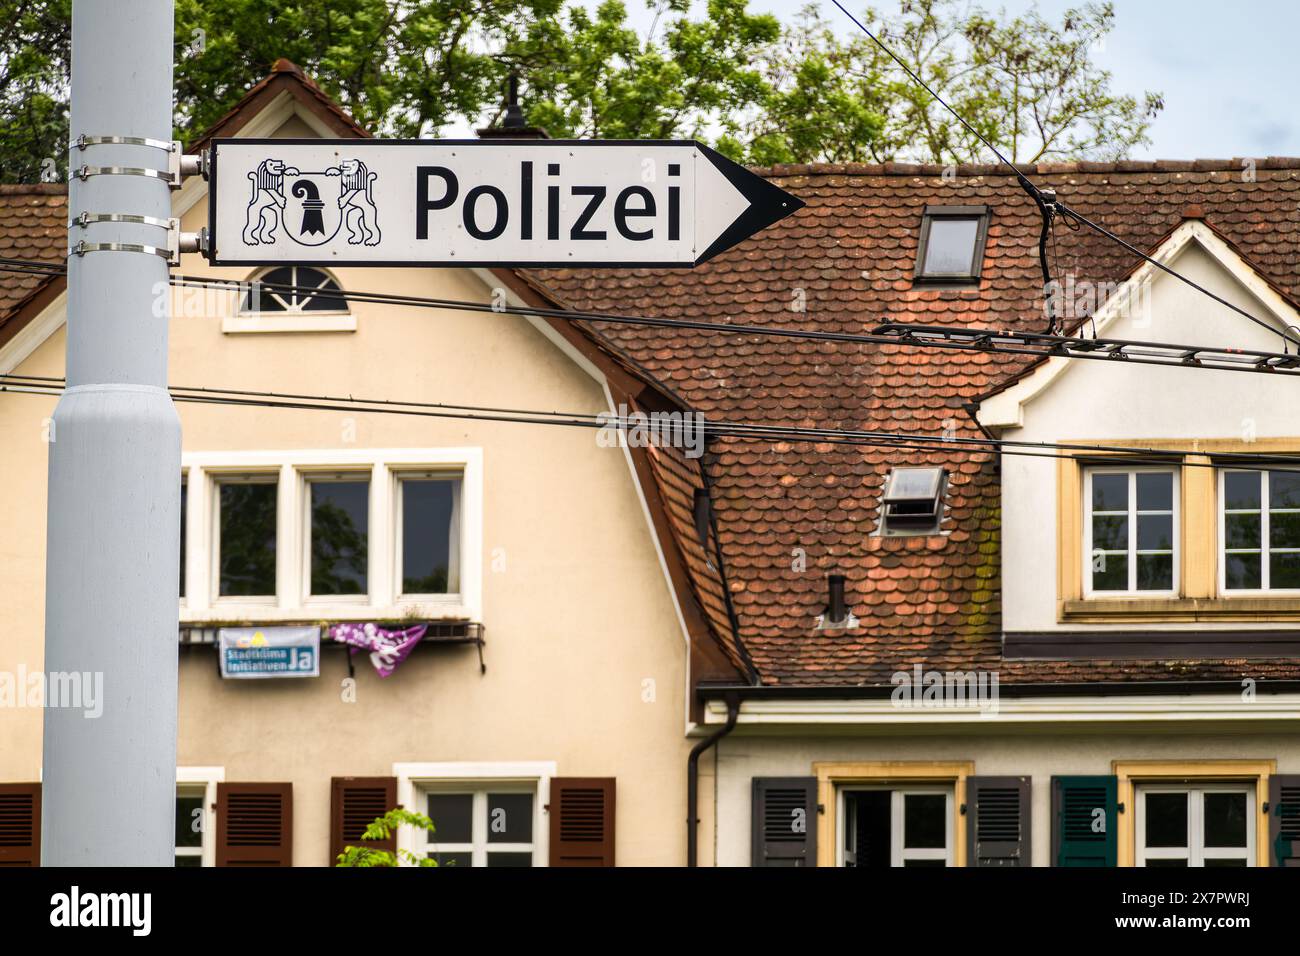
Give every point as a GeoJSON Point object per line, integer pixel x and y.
{"type": "Point", "coordinates": [382, 828]}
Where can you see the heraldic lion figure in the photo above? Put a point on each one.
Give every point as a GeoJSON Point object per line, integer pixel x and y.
{"type": "Point", "coordinates": [357, 202]}
{"type": "Point", "coordinates": [266, 207]}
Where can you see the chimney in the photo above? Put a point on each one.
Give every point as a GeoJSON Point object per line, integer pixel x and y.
{"type": "Point", "coordinates": [837, 612]}
{"type": "Point", "coordinates": [513, 126]}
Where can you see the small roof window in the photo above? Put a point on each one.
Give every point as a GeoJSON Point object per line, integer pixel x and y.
{"type": "Point", "coordinates": [912, 503]}
{"type": "Point", "coordinates": [951, 246]}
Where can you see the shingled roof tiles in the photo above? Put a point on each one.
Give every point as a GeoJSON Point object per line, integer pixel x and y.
{"type": "Point", "coordinates": [678, 478]}
{"type": "Point", "coordinates": [33, 226]}
{"type": "Point", "coordinates": [789, 513]}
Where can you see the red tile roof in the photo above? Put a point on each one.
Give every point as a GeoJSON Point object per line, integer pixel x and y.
{"type": "Point", "coordinates": [33, 226]}
{"type": "Point", "coordinates": [789, 513]}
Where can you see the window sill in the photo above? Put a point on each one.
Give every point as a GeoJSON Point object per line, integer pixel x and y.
{"type": "Point", "coordinates": [1180, 610]}
{"type": "Point", "coordinates": [253, 615]}
{"type": "Point", "coordinates": [294, 322]}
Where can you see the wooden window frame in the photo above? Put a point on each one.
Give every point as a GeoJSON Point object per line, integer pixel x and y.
{"type": "Point", "coordinates": [416, 779]}
{"type": "Point", "coordinates": [289, 319]}
{"type": "Point", "coordinates": [1194, 773]}
{"type": "Point", "coordinates": [294, 470]}
{"type": "Point", "coordinates": [206, 778]}
{"type": "Point", "coordinates": [399, 477]}
{"type": "Point", "coordinates": [1195, 851]}
{"type": "Point", "coordinates": [1221, 544]}
{"type": "Point", "coordinates": [832, 775]}
{"type": "Point", "coordinates": [478, 846]}
{"type": "Point", "coordinates": [309, 477]}
{"type": "Point", "coordinates": [216, 480]}
{"type": "Point", "coordinates": [899, 855]}
{"type": "Point", "coordinates": [1199, 597]}
{"type": "Point", "coordinates": [1131, 552]}
{"type": "Point", "coordinates": [982, 215]}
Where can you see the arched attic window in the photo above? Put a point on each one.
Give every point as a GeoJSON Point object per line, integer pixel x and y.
{"type": "Point", "coordinates": [312, 288]}
{"type": "Point", "coordinates": [307, 300]}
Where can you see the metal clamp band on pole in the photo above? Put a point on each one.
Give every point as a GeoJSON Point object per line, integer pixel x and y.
{"type": "Point", "coordinates": [82, 141]}
{"type": "Point", "coordinates": [85, 172]}
{"type": "Point", "coordinates": [86, 218]}
{"type": "Point", "coordinates": [82, 247]}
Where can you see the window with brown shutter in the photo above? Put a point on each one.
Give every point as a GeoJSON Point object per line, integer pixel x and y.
{"type": "Point", "coordinates": [254, 824]}
{"type": "Point", "coordinates": [997, 821]}
{"type": "Point", "coordinates": [20, 824]}
{"type": "Point", "coordinates": [582, 821]}
{"type": "Point", "coordinates": [355, 802]}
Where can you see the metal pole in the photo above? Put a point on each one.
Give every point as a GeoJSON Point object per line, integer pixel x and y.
{"type": "Point", "coordinates": [111, 590]}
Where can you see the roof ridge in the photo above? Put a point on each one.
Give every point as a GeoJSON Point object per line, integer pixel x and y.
{"type": "Point", "coordinates": [1237, 164]}
{"type": "Point", "coordinates": [286, 71]}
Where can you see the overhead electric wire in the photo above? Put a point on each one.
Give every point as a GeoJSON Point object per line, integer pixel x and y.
{"type": "Point", "coordinates": [1101, 230]}
{"type": "Point", "coordinates": [1037, 194]}
{"type": "Point", "coordinates": [1227, 357]}
{"type": "Point", "coordinates": [956, 338]}
{"type": "Point", "coordinates": [1046, 206]}
{"type": "Point", "coordinates": [31, 267]}
{"type": "Point", "coordinates": [49, 385]}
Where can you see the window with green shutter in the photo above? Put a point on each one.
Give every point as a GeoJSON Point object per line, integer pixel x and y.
{"type": "Point", "coordinates": [1284, 819]}
{"type": "Point", "coordinates": [1085, 821]}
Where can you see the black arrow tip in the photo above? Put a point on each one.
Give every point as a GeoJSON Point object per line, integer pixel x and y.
{"type": "Point", "coordinates": [768, 203]}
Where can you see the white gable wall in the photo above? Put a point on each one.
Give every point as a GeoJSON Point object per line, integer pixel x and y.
{"type": "Point", "coordinates": [1101, 401]}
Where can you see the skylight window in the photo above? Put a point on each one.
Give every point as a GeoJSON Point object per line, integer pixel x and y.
{"type": "Point", "coordinates": [912, 503]}
{"type": "Point", "coordinates": [951, 247]}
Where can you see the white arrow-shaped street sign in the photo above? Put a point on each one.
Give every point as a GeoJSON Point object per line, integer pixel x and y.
{"type": "Point", "coordinates": [495, 202]}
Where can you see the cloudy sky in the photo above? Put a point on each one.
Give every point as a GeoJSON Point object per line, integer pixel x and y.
{"type": "Point", "coordinates": [1224, 68]}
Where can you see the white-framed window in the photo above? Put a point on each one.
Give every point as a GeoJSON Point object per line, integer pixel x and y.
{"type": "Point", "coordinates": [346, 534]}
{"type": "Point", "coordinates": [245, 532]}
{"type": "Point", "coordinates": [427, 520]}
{"type": "Point", "coordinates": [1211, 825]}
{"type": "Point", "coordinates": [1130, 531]}
{"type": "Point", "coordinates": [196, 795]}
{"type": "Point", "coordinates": [1259, 530]}
{"type": "Point", "coordinates": [484, 814]}
{"type": "Point", "coordinates": [903, 825]}
{"type": "Point", "coordinates": [336, 536]}
{"type": "Point", "coordinates": [313, 305]}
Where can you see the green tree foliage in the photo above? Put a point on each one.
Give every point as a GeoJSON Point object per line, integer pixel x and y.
{"type": "Point", "coordinates": [598, 78]}
{"type": "Point", "coordinates": [1030, 87]}
{"type": "Point", "coordinates": [381, 829]}
{"type": "Point", "coordinates": [35, 55]}
{"type": "Point", "coordinates": [713, 70]}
